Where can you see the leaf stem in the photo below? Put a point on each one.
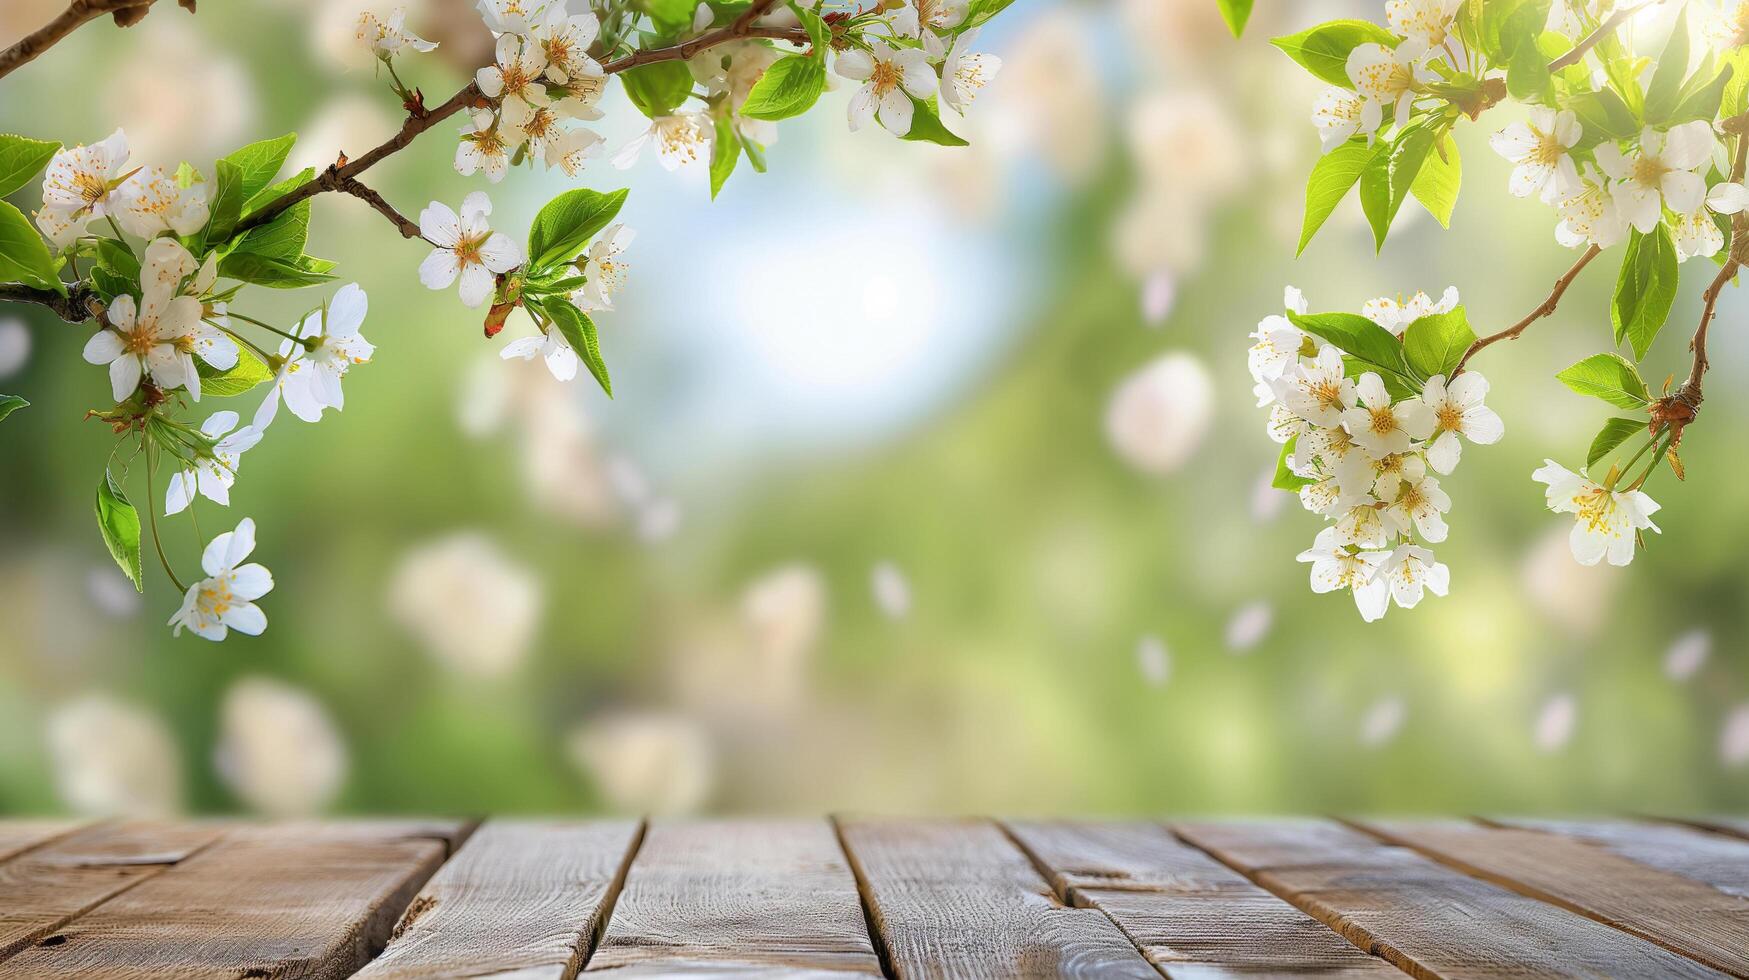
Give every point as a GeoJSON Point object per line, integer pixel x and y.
{"type": "Point", "coordinates": [152, 519]}
{"type": "Point", "coordinates": [305, 342]}
{"type": "Point", "coordinates": [1547, 307]}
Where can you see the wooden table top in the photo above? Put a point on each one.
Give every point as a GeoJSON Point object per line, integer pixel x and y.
{"type": "Point", "coordinates": [862, 897]}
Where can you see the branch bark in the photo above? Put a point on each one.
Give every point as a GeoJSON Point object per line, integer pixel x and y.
{"type": "Point", "coordinates": [126, 12]}
{"type": "Point", "coordinates": [1604, 29]}
{"type": "Point", "coordinates": [1548, 306]}
{"type": "Point", "coordinates": [77, 306]}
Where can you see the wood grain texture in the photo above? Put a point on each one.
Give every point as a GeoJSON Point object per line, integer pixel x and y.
{"type": "Point", "coordinates": [1718, 860]}
{"type": "Point", "coordinates": [521, 899]}
{"type": "Point", "coordinates": [1679, 913]}
{"type": "Point", "coordinates": [300, 900]}
{"type": "Point", "coordinates": [1729, 826]}
{"type": "Point", "coordinates": [956, 898]}
{"type": "Point", "coordinates": [44, 889]}
{"type": "Point", "coordinates": [18, 836]}
{"type": "Point", "coordinates": [1429, 920]}
{"type": "Point", "coordinates": [737, 898]}
{"type": "Point", "coordinates": [1191, 915]}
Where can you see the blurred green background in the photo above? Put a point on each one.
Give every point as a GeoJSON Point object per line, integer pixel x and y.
{"type": "Point", "coordinates": [933, 482]}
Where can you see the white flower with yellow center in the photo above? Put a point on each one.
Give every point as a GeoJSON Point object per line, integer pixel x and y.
{"type": "Point", "coordinates": [927, 20]}
{"type": "Point", "coordinates": [312, 367]}
{"type": "Point", "coordinates": [1340, 456]}
{"type": "Point", "coordinates": [1284, 424]}
{"type": "Point", "coordinates": [537, 126]}
{"type": "Point", "coordinates": [1419, 504]}
{"type": "Point", "coordinates": [1362, 526]}
{"type": "Point", "coordinates": [1590, 216]}
{"type": "Point", "coordinates": [1410, 571]}
{"type": "Point", "coordinates": [1389, 76]}
{"type": "Point", "coordinates": [1395, 313]}
{"type": "Point", "coordinates": [386, 37]}
{"type": "Point", "coordinates": [564, 40]}
{"type": "Point", "coordinates": [213, 473]}
{"type": "Point", "coordinates": [1340, 115]}
{"type": "Point", "coordinates": [1319, 392]}
{"type": "Point", "coordinates": [572, 149]}
{"type": "Point", "coordinates": [466, 247]}
{"type": "Point", "coordinates": [891, 78]}
{"type": "Point", "coordinates": [1335, 566]}
{"type": "Point", "coordinates": [511, 16]}
{"type": "Point", "coordinates": [561, 360]}
{"type": "Point", "coordinates": [1728, 27]}
{"type": "Point", "coordinates": [483, 146]}
{"type": "Point", "coordinates": [1458, 411]}
{"type": "Point", "coordinates": [1698, 233]}
{"type": "Point", "coordinates": [965, 72]}
{"type": "Point", "coordinates": [160, 334]}
{"type": "Point", "coordinates": [1660, 172]}
{"type": "Point", "coordinates": [582, 90]}
{"type": "Point", "coordinates": [604, 273]}
{"type": "Point", "coordinates": [682, 138]}
{"type": "Point", "coordinates": [79, 185]}
{"type": "Point", "coordinates": [1277, 348]}
{"type": "Point", "coordinates": [1539, 148]}
{"type": "Point", "coordinates": [225, 599]}
{"type": "Point", "coordinates": [1381, 427]}
{"type": "Point", "coordinates": [1425, 21]}
{"type": "Point", "coordinates": [151, 203]}
{"type": "Point", "coordinates": [517, 76]}
{"type": "Point", "coordinates": [1606, 522]}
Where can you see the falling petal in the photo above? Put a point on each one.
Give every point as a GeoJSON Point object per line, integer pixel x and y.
{"type": "Point", "coordinates": [1382, 720]}
{"type": "Point", "coordinates": [1734, 737]}
{"type": "Point", "coordinates": [14, 346]}
{"type": "Point", "coordinates": [1687, 654]}
{"type": "Point", "coordinates": [646, 762]}
{"type": "Point", "coordinates": [1158, 416]}
{"type": "Point", "coordinates": [111, 758]}
{"type": "Point", "coordinates": [111, 592]}
{"type": "Point", "coordinates": [278, 749]}
{"type": "Point", "coordinates": [1153, 660]}
{"type": "Point", "coordinates": [1267, 500]}
{"type": "Point", "coordinates": [1159, 293]}
{"type": "Point", "coordinates": [1555, 722]}
{"type": "Point", "coordinates": [472, 607]}
{"type": "Point", "coordinates": [1249, 626]}
{"type": "Point", "coordinates": [892, 592]}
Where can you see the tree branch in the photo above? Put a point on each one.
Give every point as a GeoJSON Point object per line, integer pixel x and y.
{"type": "Point", "coordinates": [80, 303]}
{"type": "Point", "coordinates": [1604, 29]}
{"type": "Point", "coordinates": [126, 12]}
{"type": "Point", "coordinates": [1547, 307]}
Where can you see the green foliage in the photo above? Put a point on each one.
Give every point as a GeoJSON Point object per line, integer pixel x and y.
{"type": "Point", "coordinates": [118, 258]}
{"type": "Point", "coordinates": [1435, 344]}
{"type": "Point", "coordinates": [1236, 13]}
{"type": "Point", "coordinates": [1388, 176]}
{"type": "Point", "coordinates": [1333, 176]}
{"type": "Point", "coordinates": [225, 206]}
{"type": "Point", "coordinates": [1666, 87]}
{"type": "Point", "coordinates": [1610, 377]}
{"type": "Point", "coordinates": [1603, 115]}
{"type": "Point", "coordinates": [1439, 181]}
{"type": "Point", "coordinates": [725, 153]}
{"type": "Point", "coordinates": [258, 163]}
{"type": "Point", "coordinates": [283, 238]}
{"type": "Point", "coordinates": [657, 89]}
{"type": "Point", "coordinates": [579, 331]}
{"type": "Point", "coordinates": [24, 257]}
{"type": "Point", "coordinates": [248, 372]}
{"type": "Point", "coordinates": [273, 273]}
{"type": "Point", "coordinates": [1323, 50]}
{"type": "Point", "coordinates": [273, 192]}
{"type": "Point", "coordinates": [21, 159]}
{"type": "Point", "coordinates": [788, 88]}
{"type": "Point", "coordinates": [1286, 479]}
{"type": "Point", "coordinates": [567, 222]}
{"type": "Point", "coordinates": [119, 523]}
{"type": "Point", "coordinates": [980, 12]}
{"type": "Point", "coordinates": [1613, 434]}
{"type": "Point", "coordinates": [10, 404]}
{"type": "Point", "coordinates": [109, 285]}
{"type": "Point", "coordinates": [926, 126]}
{"type": "Point", "coordinates": [1645, 289]}
{"type": "Point", "coordinates": [1355, 334]}
{"type": "Point", "coordinates": [668, 15]}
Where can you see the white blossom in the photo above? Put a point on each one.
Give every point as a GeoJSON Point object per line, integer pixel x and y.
{"type": "Point", "coordinates": [1158, 416]}
{"type": "Point", "coordinates": [1410, 571]}
{"type": "Point", "coordinates": [604, 272]}
{"type": "Point", "coordinates": [1395, 313]}
{"type": "Point", "coordinates": [483, 146]}
{"type": "Point", "coordinates": [278, 748]}
{"type": "Point", "coordinates": [1249, 626]}
{"type": "Point", "coordinates": [212, 474]}
{"type": "Point", "coordinates": [466, 247]}
{"type": "Point", "coordinates": [313, 366]}
{"type": "Point", "coordinates": [151, 203]}
{"type": "Point", "coordinates": [1427, 22]}
{"type": "Point", "coordinates": [1539, 148]}
{"type": "Point", "coordinates": [891, 78]}
{"type": "Point", "coordinates": [680, 138]}
{"type": "Point", "coordinates": [965, 72]}
{"type": "Point", "coordinates": [1728, 26]}
{"type": "Point", "coordinates": [927, 20]}
{"type": "Point", "coordinates": [563, 40]}
{"type": "Point", "coordinates": [551, 347]}
{"type": "Point", "coordinates": [1458, 411]}
{"type": "Point", "coordinates": [1336, 566]}
{"type": "Point", "coordinates": [159, 335]}
{"type": "Point", "coordinates": [1380, 426]}
{"type": "Point", "coordinates": [646, 762]}
{"type": "Point", "coordinates": [471, 606]}
{"type": "Point", "coordinates": [1606, 522]}
{"type": "Point", "coordinates": [225, 599]}
{"type": "Point", "coordinates": [1319, 391]}
{"type": "Point", "coordinates": [80, 184]}
{"type": "Point", "coordinates": [1277, 348]}
{"type": "Point", "coordinates": [511, 16]}
{"type": "Point", "coordinates": [1389, 76]}
{"type": "Point", "coordinates": [385, 37]}
{"type": "Point", "coordinates": [570, 150]}
{"type": "Point", "coordinates": [1698, 233]}
{"type": "Point", "coordinates": [112, 758]}
{"type": "Point", "coordinates": [1660, 172]}
{"type": "Point", "coordinates": [516, 76]}
{"type": "Point", "coordinates": [1590, 216]}
{"type": "Point", "coordinates": [1341, 115]}
{"type": "Point", "coordinates": [1419, 503]}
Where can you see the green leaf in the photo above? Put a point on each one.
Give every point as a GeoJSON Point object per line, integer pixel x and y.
{"type": "Point", "coordinates": [1705, 100]}
{"type": "Point", "coordinates": [981, 11]}
{"type": "Point", "coordinates": [1610, 377]}
{"type": "Point", "coordinates": [1527, 74]}
{"type": "Point", "coordinates": [1435, 344]}
{"type": "Point", "coordinates": [1332, 177]}
{"type": "Point", "coordinates": [1645, 289]}
{"type": "Point", "coordinates": [926, 124]}
{"type": "Point", "coordinates": [248, 372]}
{"type": "Point", "coordinates": [118, 258]}
{"type": "Point", "coordinates": [819, 32]}
{"type": "Point", "coordinates": [283, 238]}
{"type": "Point", "coordinates": [725, 153]}
{"type": "Point", "coordinates": [1672, 68]}
{"type": "Point", "coordinates": [1355, 334]}
{"type": "Point", "coordinates": [267, 195]}
{"type": "Point", "coordinates": [258, 163]}
{"type": "Point", "coordinates": [10, 404]}
{"type": "Point", "coordinates": [579, 331]}
{"type": "Point", "coordinates": [567, 222]}
{"type": "Point", "coordinates": [1388, 177]}
{"type": "Point", "coordinates": [1323, 50]}
{"type": "Point", "coordinates": [656, 89]}
{"type": "Point", "coordinates": [225, 206]}
{"type": "Point", "coordinates": [669, 15]}
{"type": "Point", "coordinates": [1286, 479]}
{"type": "Point", "coordinates": [1236, 13]}
{"type": "Point", "coordinates": [1436, 186]}
{"type": "Point", "coordinates": [1604, 116]}
{"type": "Point", "coordinates": [1399, 386]}
{"type": "Point", "coordinates": [788, 88]}
{"type": "Point", "coordinates": [23, 255]}
{"type": "Point", "coordinates": [272, 273]}
{"type": "Point", "coordinates": [1614, 433]}
{"type": "Point", "coordinates": [21, 159]}
{"type": "Point", "coordinates": [119, 524]}
{"type": "Point", "coordinates": [109, 285]}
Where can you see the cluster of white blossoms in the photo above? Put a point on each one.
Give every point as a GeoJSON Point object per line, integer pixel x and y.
{"type": "Point", "coordinates": [90, 182]}
{"type": "Point", "coordinates": [1364, 458]}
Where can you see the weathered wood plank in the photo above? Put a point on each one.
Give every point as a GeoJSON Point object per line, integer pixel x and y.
{"type": "Point", "coordinates": [956, 898]}
{"type": "Point", "coordinates": [1678, 913]}
{"type": "Point", "coordinates": [44, 889]}
{"type": "Point", "coordinates": [772, 898]}
{"type": "Point", "coordinates": [1191, 915]}
{"type": "Point", "coordinates": [303, 900]}
{"type": "Point", "coordinates": [1427, 919]}
{"type": "Point", "coordinates": [18, 836]}
{"type": "Point", "coordinates": [521, 898]}
{"type": "Point", "coordinates": [1729, 826]}
{"type": "Point", "coordinates": [1720, 861]}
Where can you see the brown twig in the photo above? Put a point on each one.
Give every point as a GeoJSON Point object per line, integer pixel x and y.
{"type": "Point", "coordinates": [1547, 307]}
{"type": "Point", "coordinates": [81, 302]}
{"type": "Point", "coordinates": [127, 13]}
{"type": "Point", "coordinates": [1604, 29]}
